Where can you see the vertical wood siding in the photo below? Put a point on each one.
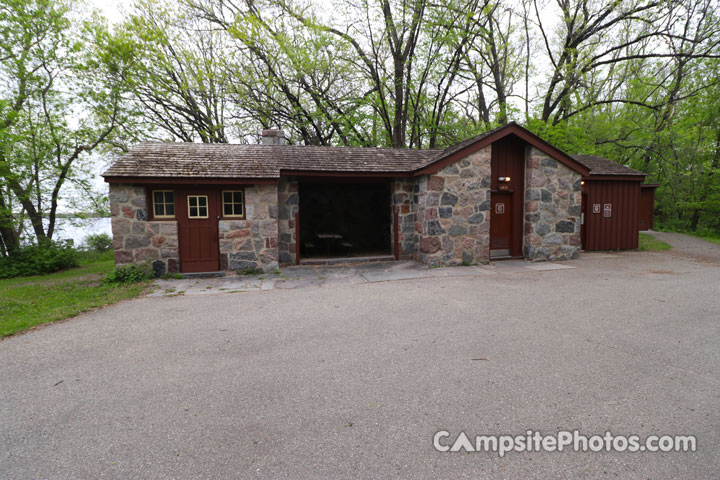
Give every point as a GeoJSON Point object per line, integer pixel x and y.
{"type": "Point", "coordinates": [620, 231]}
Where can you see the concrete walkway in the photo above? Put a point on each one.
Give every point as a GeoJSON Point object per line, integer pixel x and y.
{"type": "Point", "coordinates": [322, 276]}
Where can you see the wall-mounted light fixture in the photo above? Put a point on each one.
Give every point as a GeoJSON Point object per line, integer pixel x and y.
{"type": "Point", "coordinates": [582, 182]}
{"type": "Point", "coordinates": [503, 179]}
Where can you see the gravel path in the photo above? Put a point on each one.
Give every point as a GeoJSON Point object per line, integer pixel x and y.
{"type": "Point", "coordinates": [689, 246]}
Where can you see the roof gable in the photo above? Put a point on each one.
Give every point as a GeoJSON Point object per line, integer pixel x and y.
{"type": "Point", "coordinates": [465, 148]}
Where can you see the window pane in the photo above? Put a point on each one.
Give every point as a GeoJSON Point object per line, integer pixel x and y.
{"type": "Point", "coordinates": [158, 209]}
{"type": "Point", "coordinates": [232, 203]}
{"type": "Point", "coordinates": [203, 212]}
{"type": "Point", "coordinates": [193, 211]}
{"type": "Point", "coordinates": [169, 197]}
{"type": "Point", "coordinates": [170, 209]}
{"type": "Point", "coordinates": [158, 197]}
{"type": "Point", "coordinates": [192, 201]}
{"type": "Point", "coordinates": [202, 201]}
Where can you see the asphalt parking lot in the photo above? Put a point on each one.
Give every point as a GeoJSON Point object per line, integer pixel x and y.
{"type": "Point", "coordinates": [353, 380]}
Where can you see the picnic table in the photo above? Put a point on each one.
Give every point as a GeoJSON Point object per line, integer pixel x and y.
{"type": "Point", "coordinates": [328, 239]}
{"type": "Point", "coordinates": [329, 236]}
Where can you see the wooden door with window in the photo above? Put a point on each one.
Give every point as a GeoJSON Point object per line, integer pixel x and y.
{"type": "Point", "coordinates": [197, 215]}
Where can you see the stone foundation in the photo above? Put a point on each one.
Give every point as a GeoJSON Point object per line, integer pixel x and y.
{"type": "Point", "coordinates": [553, 204]}
{"type": "Point", "coordinates": [137, 240]}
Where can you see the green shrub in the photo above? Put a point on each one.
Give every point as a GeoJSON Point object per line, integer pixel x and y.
{"type": "Point", "coordinates": [128, 274]}
{"type": "Point", "coordinates": [99, 242]}
{"type": "Point", "coordinates": [40, 259]}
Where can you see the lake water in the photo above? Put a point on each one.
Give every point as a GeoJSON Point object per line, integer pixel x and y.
{"type": "Point", "coordinates": [77, 229]}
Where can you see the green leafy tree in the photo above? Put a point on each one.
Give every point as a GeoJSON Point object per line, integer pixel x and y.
{"type": "Point", "coordinates": [181, 81]}
{"type": "Point", "coordinates": [65, 83]}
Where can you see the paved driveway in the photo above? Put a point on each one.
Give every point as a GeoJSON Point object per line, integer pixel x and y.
{"type": "Point", "coordinates": [352, 381]}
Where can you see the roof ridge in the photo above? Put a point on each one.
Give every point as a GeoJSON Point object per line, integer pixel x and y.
{"type": "Point", "coordinates": [253, 145]}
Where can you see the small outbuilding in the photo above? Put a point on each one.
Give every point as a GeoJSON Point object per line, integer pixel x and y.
{"type": "Point", "coordinates": [187, 207]}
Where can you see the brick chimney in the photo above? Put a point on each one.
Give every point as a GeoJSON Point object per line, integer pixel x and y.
{"type": "Point", "coordinates": [273, 136]}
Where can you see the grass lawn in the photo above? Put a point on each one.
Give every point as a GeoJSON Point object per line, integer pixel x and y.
{"type": "Point", "coordinates": [29, 301]}
{"type": "Point", "coordinates": [649, 243]}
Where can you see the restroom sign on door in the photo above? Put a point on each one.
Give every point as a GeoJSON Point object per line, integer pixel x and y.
{"type": "Point", "coordinates": [607, 210]}
{"type": "Point", "coordinates": [499, 208]}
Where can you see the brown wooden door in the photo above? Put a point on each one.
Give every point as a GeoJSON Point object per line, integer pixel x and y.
{"type": "Point", "coordinates": [507, 185]}
{"type": "Point", "coordinates": [647, 205]}
{"type": "Point", "coordinates": [197, 214]}
{"type": "Point", "coordinates": [584, 219]}
{"type": "Point", "coordinates": [501, 224]}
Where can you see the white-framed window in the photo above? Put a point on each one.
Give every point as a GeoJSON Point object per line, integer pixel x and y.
{"type": "Point", "coordinates": [163, 203]}
{"type": "Point", "coordinates": [233, 203]}
{"type": "Point", "coordinates": [197, 206]}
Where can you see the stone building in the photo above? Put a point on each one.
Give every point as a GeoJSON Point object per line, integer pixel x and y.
{"type": "Point", "coordinates": [187, 207]}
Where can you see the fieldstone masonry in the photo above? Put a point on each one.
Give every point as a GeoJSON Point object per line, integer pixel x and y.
{"type": "Point", "coordinates": [288, 203]}
{"type": "Point", "coordinates": [405, 201]}
{"type": "Point", "coordinates": [136, 240]}
{"type": "Point", "coordinates": [453, 215]}
{"type": "Point", "coordinates": [553, 204]}
{"type": "Point", "coordinates": [253, 242]}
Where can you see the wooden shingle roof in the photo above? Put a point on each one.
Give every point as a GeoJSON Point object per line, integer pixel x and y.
{"type": "Point", "coordinates": [231, 161]}
{"type": "Point", "coordinates": [603, 166]}
{"type": "Point", "coordinates": [195, 160]}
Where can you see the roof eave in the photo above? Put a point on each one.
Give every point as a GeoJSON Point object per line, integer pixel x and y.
{"type": "Point", "coordinates": [619, 177]}
{"type": "Point", "coordinates": [340, 173]}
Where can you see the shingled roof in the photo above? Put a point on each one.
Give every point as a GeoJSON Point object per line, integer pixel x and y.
{"type": "Point", "coordinates": [219, 161]}
{"type": "Point", "coordinates": [196, 160]}
{"type": "Point", "coordinates": [603, 166]}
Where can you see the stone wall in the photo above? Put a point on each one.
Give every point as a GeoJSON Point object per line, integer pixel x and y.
{"type": "Point", "coordinates": [453, 213]}
{"type": "Point", "coordinates": [253, 242]}
{"type": "Point", "coordinates": [553, 202]}
{"type": "Point", "coordinates": [405, 200]}
{"type": "Point", "coordinates": [135, 240]}
{"type": "Point", "coordinates": [288, 202]}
